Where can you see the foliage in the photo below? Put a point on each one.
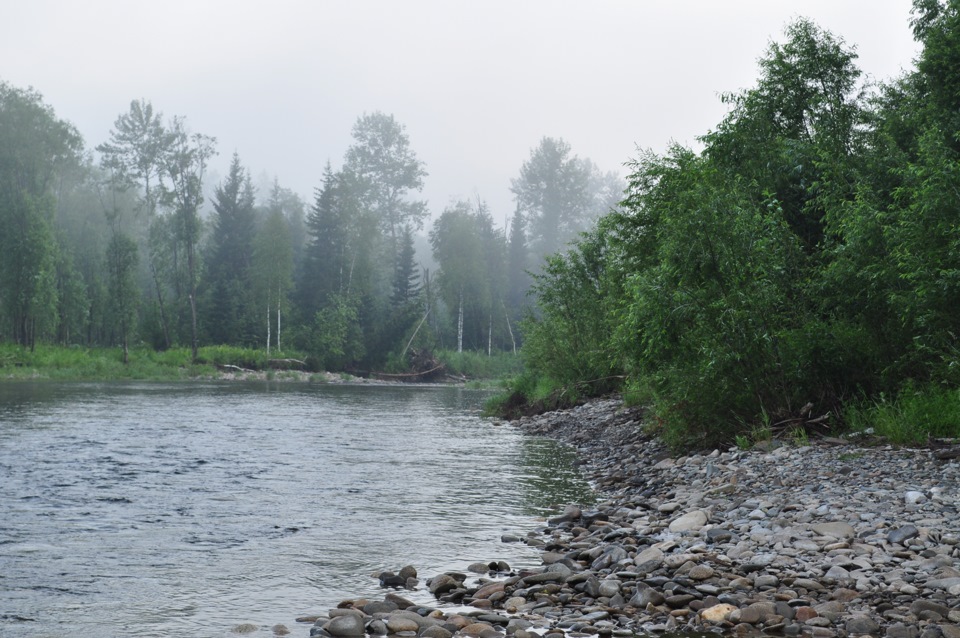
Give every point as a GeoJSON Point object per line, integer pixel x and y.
{"type": "Point", "coordinates": [470, 252]}
{"type": "Point", "coordinates": [335, 339]}
{"type": "Point", "coordinates": [568, 340]}
{"type": "Point", "coordinates": [36, 150]}
{"type": "Point", "coordinates": [805, 255]}
{"type": "Point", "coordinates": [479, 365]}
{"type": "Point", "coordinates": [914, 417]}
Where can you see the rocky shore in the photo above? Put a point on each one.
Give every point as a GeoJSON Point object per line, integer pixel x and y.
{"type": "Point", "coordinates": [828, 539]}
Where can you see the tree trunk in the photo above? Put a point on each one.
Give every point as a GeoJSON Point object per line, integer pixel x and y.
{"type": "Point", "coordinates": [509, 329]}
{"type": "Point", "coordinates": [193, 301]}
{"type": "Point", "coordinates": [194, 346]}
{"type": "Point", "coordinates": [490, 336]}
{"type": "Point", "coordinates": [268, 329]}
{"type": "Point", "coordinates": [460, 324]}
{"type": "Point", "coordinates": [279, 349]}
{"type": "Point", "coordinates": [163, 314]}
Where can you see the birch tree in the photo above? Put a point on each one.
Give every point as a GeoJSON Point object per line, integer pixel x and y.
{"type": "Point", "coordinates": [273, 273]}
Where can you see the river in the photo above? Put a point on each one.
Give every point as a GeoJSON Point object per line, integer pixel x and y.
{"type": "Point", "coordinates": [150, 509]}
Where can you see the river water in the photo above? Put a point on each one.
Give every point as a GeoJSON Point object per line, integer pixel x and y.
{"type": "Point", "coordinates": [148, 509]}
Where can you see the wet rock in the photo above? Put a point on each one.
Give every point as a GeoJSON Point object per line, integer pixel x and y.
{"type": "Point", "coordinates": [436, 632]}
{"type": "Point", "coordinates": [380, 607]}
{"type": "Point", "coordinates": [480, 629]}
{"type": "Point", "coordinates": [570, 513]}
{"type": "Point", "coordinates": [346, 626]}
{"type": "Point", "coordinates": [396, 624]}
{"type": "Point", "coordinates": [442, 584]}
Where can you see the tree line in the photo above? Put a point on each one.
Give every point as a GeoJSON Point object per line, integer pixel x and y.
{"type": "Point", "coordinates": [129, 244]}
{"type": "Point", "coordinates": [804, 260]}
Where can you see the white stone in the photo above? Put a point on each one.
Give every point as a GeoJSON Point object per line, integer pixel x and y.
{"type": "Point", "coordinates": [837, 530]}
{"type": "Point", "coordinates": [717, 613]}
{"type": "Point", "coordinates": [691, 521]}
{"type": "Point", "coordinates": [914, 498]}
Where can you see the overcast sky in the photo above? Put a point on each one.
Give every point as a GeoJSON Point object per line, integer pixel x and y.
{"type": "Point", "coordinates": [477, 84]}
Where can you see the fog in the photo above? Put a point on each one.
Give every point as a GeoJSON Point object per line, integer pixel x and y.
{"type": "Point", "coordinates": [477, 85]}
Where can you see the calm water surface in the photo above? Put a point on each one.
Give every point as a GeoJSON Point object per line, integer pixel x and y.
{"type": "Point", "coordinates": [184, 510]}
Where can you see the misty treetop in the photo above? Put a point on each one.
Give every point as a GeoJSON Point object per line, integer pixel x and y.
{"type": "Point", "coordinates": [136, 246]}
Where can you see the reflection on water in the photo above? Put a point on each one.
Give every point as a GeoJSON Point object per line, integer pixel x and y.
{"type": "Point", "coordinates": [185, 509]}
{"type": "Point", "coordinates": [549, 479]}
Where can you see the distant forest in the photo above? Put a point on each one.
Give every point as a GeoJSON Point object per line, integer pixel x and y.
{"type": "Point", "coordinates": [799, 269]}
{"type": "Point", "coordinates": [127, 243]}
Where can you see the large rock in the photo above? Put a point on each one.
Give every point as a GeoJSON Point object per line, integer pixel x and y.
{"type": "Point", "coordinates": [570, 513]}
{"type": "Point", "coordinates": [645, 595]}
{"type": "Point", "coordinates": [689, 522]}
{"type": "Point", "coordinates": [835, 529]}
{"type": "Point", "coordinates": [443, 583]}
{"type": "Point", "coordinates": [717, 613]}
{"type": "Point", "coordinates": [489, 589]}
{"type": "Point", "coordinates": [346, 626]}
{"type": "Point", "coordinates": [902, 534]}
{"type": "Point", "coordinates": [398, 623]}
{"type": "Point", "coordinates": [862, 625]}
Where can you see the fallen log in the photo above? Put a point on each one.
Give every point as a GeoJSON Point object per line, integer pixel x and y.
{"type": "Point", "coordinates": [228, 367]}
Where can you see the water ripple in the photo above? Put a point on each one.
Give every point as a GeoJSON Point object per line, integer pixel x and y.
{"type": "Point", "coordinates": [183, 510]}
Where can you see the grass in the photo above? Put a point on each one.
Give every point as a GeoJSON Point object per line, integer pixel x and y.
{"type": "Point", "coordinates": [914, 417]}
{"type": "Point", "coordinates": [479, 365]}
{"type": "Point", "coordinates": [76, 363]}
{"type": "Point", "coordinates": [527, 393]}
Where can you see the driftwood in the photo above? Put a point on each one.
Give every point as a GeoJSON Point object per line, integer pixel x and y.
{"type": "Point", "coordinates": [407, 376]}
{"type": "Point", "coordinates": [227, 367]}
{"type": "Point", "coordinates": [948, 454]}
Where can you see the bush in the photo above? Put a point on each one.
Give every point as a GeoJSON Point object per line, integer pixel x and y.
{"type": "Point", "coordinates": [479, 365]}
{"type": "Point", "coordinates": [914, 417]}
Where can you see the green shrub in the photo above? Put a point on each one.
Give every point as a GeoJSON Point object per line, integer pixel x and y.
{"type": "Point", "coordinates": [479, 365]}
{"type": "Point", "coordinates": [914, 417]}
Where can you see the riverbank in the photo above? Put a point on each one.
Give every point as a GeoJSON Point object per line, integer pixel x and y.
{"type": "Point", "coordinates": [825, 540]}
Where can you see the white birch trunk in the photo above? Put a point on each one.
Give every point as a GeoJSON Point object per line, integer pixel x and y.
{"type": "Point", "coordinates": [490, 336]}
{"type": "Point", "coordinates": [268, 330]}
{"type": "Point", "coordinates": [460, 325]}
{"type": "Point", "coordinates": [279, 349]}
{"type": "Point", "coordinates": [509, 328]}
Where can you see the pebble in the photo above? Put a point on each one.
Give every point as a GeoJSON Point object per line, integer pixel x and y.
{"type": "Point", "coordinates": [828, 540]}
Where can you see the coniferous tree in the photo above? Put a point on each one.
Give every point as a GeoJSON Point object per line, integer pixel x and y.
{"type": "Point", "coordinates": [518, 279]}
{"type": "Point", "coordinates": [229, 310]}
{"type": "Point", "coordinates": [406, 281]}
{"type": "Point", "coordinates": [323, 271]}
